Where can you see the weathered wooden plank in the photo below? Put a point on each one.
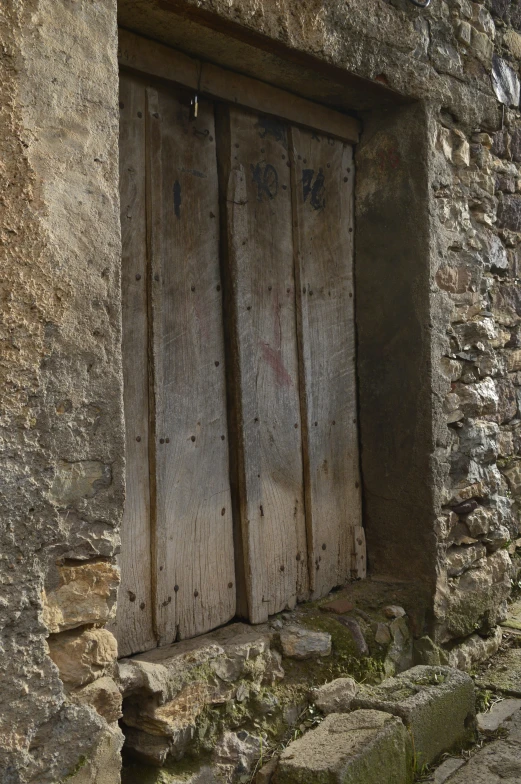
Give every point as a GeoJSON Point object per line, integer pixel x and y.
{"type": "Point", "coordinates": [134, 613]}
{"type": "Point", "coordinates": [195, 574]}
{"type": "Point", "coordinates": [259, 259]}
{"type": "Point", "coordinates": [322, 186]}
{"type": "Point", "coordinates": [156, 59]}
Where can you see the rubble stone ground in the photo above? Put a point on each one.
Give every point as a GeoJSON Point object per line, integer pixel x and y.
{"type": "Point", "coordinates": [438, 718]}
{"type": "Point", "coordinates": [496, 759]}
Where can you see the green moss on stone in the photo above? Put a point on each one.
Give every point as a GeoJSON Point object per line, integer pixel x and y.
{"type": "Point", "coordinates": [82, 761]}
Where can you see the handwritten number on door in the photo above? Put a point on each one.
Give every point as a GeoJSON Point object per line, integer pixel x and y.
{"type": "Point", "coordinates": [266, 179]}
{"type": "Point", "coordinates": [313, 187]}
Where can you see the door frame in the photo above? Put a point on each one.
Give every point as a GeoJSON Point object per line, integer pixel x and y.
{"type": "Point", "coordinates": [154, 59]}
{"type": "Point", "coordinates": [400, 410]}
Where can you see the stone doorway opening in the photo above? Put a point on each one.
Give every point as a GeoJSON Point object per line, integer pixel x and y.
{"type": "Point", "coordinates": [243, 485]}
{"type": "Point", "coordinates": [390, 286]}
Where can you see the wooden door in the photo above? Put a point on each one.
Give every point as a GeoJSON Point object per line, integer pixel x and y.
{"type": "Point", "coordinates": [194, 560]}
{"type": "Point", "coordinates": [239, 365]}
{"type": "Point", "coordinates": [256, 189]}
{"type": "Point", "coordinates": [322, 195]}
{"type": "Point", "coordinates": [178, 543]}
{"type": "Point", "coordinates": [135, 631]}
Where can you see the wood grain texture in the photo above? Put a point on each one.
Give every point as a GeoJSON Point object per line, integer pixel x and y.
{"type": "Point", "coordinates": [259, 256]}
{"type": "Point", "coordinates": [162, 61]}
{"type": "Point", "coordinates": [195, 576]}
{"type": "Point", "coordinates": [134, 611]}
{"type": "Point", "coordinates": [322, 186]}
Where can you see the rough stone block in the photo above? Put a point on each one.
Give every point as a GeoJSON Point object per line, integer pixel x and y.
{"type": "Point", "coordinates": [177, 716]}
{"type": "Point", "coordinates": [507, 400]}
{"type": "Point", "coordinates": [459, 559]}
{"type": "Point", "coordinates": [516, 139]}
{"type": "Point", "coordinates": [461, 152]}
{"type": "Point", "coordinates": [505, 82]}
{"type": "Point", "coordinates": [103, 763]}
{"type": "Point", "coordinates": [338, 606]}
{"type": "Point", "coordinates": [474, 649]}
{"type": "Point", "coordinates": [482, 47]}
{"type": "Point", "coordinates": [382, 634]}
{"type": "Point", "coordinates": [400, 652]}
{"type": "Point", "coordinates": [464, 33]}
{"type": "Point", "coordinates": [81, 479]}
{"type": "Point", "coordinates": [336, 696]}
{"type": "Point", "coordinates": [231, 653]}
{"type": "Point", "coordinates": [265, 774]}
{"type": "Point", "coordinates": [506, 300]}
{"type": "Point", "coordinates": [168, 689]}
{"type": "Point", "coordinates": [437, 704]}
{"type": "Point", "coordinates": [83, 656]}
{"type": "Point", "coordinates": [394, 611]}
{"type": "Point", "coordinates": [86, 594]}
{"type": "Point", "coordinates": [103, 695]}
{"type": "Point", "coordinates": [483, 20]}
{"type": "Point", "coordinates": [300, 643]}
{"type": "Point", "coordinates": [235, 753]}
{"type": "Point", "coordinates": [427, 652]}
{"type": "Point", "coordinates": [501, 144]}
{"type": "Point", "coordinates": [478, 399]}
{"type": "Point", "coordinates": [477, 599]}
{"type": "Point", "coordinates": [479, 521]}
{"type": "Point", "coordinates": [363, 747]}
{"type": "Point", "coordinates": [509, 213]}
{"type": "Point", "coordinates": [513, 477]}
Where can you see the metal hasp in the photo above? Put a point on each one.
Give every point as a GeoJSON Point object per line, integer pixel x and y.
{"type": "Point", "coordinates": [419, 4]}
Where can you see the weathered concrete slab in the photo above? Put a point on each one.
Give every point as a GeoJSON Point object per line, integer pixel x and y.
{"type": "Point", "coordinates": [363, 747]}
{"type": "Point", "coordinates": [504, 674]}
{"type": "Point", "coordinates": [437, 704]}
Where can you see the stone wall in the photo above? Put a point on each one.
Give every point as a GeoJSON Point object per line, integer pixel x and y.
{"type": "Point", "coordinates": [62, 433]}
{"type": "Point", "coordinates": [62, 439]}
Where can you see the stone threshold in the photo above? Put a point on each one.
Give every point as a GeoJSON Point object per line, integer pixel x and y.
{"type": "Point", "coordinates": [218, 707]}
{"type": "Point", "coordinates": [380, 734]}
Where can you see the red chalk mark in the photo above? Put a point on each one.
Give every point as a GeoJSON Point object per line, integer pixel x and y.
{"type": "Point", "coordinates": [388, 157]}
{"type": "Point", "coordinates": [274, 360]}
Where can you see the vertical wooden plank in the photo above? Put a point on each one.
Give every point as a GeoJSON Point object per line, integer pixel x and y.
{"type": "Point", "coordinates": [259, 260]}
{"type": "Point", "coordinates": [323, 224]}
{"type": "Point", "coordinates": [134, 613]}
{"type": "Point", "coordinates": [195, 576]}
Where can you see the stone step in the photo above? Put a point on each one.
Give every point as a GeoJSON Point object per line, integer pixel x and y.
{"type": "Point", "coordinates": [363, 747]}
{"type": "Point", "coordinates": [437, 705]}
{"type": "Point", "coordinates": [168, 689]}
